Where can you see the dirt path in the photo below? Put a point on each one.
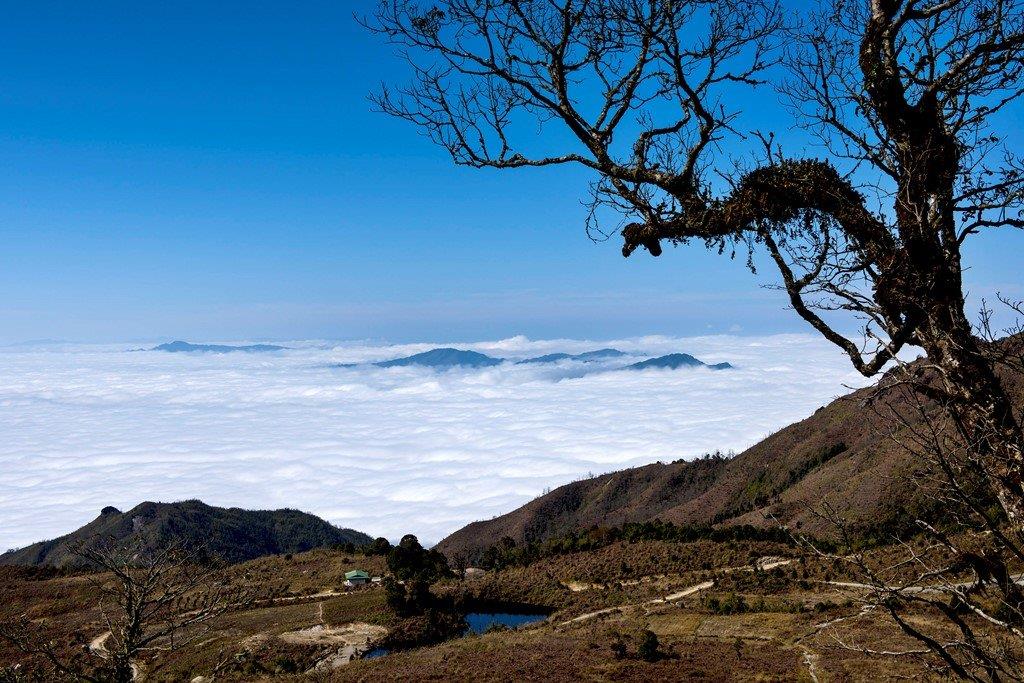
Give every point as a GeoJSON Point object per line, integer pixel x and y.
{"type": "Point", "coordinates": [764, 564]}
{"type": "Point", "coordinates": [98, 647]}
{"type": "Point", "coordinates": [353, 633]}
{"type": "Point", "coordinates": [591, 615]}
{"type": "Point", "coordinates": [683, 593]}
{"type": "Point", "coordinates": [350, 641]}
{"type": "Point", "coordinates": [657, 601]}
{"type": "Point", "coordinates": [811, 662]}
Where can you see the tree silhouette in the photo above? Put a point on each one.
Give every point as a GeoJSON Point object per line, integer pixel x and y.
{"type": "Point", "coordinates": [903, 94]}
{"type": "Point", "coordinates": [905, 98]}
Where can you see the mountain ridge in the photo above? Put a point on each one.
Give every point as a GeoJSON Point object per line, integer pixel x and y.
{"type": "Point", "coordinates": [188, 347]}
{"type": "Point", "coordinates": [674, 361]}
{"type": "Point", "coordinates": [450, 357]}
{"type": "Point", "coordinates": [585, 357]}
{"type": "Point", "coordinates": [444, 357]}
{"type": "Point", "coordinates": [230, 534]}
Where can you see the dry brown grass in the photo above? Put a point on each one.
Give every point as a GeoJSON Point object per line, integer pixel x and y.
{"type": "Point", "coordinates": [776, 638]}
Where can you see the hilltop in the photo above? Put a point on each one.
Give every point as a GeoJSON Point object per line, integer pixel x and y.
{"type": "Point", "coordinates": [230, 534]}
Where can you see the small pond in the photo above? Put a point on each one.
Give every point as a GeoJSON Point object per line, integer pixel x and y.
{"type": "Point", "coordinates": [479, 622]}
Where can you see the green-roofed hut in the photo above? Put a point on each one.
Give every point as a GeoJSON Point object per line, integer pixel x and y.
{"type": "Point", "coordinates": [357, 577]}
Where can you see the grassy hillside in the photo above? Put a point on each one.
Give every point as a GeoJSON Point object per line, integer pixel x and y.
{"type": "Point", "coordinates": [842, 455]}
{"type": "Point", "coordinates": [229, 534]}
{"type": "Point", "coordinates": [720, 611]}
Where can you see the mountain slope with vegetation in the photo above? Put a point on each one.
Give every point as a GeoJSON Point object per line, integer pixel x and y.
{"type": "Point", "coordinates": [228, 534]}
{"type": "Point", "coordinates": [842, 455]}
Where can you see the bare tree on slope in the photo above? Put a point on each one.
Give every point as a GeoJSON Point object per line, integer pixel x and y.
{"type": "Point", "coordinates": [152, 601]}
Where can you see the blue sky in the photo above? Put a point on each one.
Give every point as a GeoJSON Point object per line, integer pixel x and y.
{"type": "Point", "coordinates": [214, 171]}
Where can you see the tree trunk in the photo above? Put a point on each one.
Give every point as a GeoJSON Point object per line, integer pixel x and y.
{"type": "Point", "coordinates": [981, 409]}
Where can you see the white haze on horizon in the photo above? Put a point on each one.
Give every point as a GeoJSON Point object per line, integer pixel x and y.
{"type": "Point", "coordinates": [385, 451]}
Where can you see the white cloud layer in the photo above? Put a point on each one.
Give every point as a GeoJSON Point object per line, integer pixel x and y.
{"type": "Point", "coordinates": [384, 451]}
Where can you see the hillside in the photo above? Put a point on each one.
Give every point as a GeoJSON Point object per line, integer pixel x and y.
{"type": "Point", "coordinates": [230, 534]}
{"type": "Point", "coordinates": [840, 455]}
{"type": "Point", "coordinates": [713, 615]}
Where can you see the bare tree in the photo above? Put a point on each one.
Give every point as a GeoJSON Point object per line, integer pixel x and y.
{"type": "Point", "coordinates": [955, 585]}
{"type": "Point", "coordinates": [903, 94]}
{"type": "Point", "coordinates": [152, 602]}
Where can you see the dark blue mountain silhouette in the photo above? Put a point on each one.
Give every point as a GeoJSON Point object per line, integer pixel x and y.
{"type": "Point", "coordinates": [186, 347]}
{"type": "Point", "coordinates": [585, 357]}
{"type": "Point", "coordinates": [549, 358]}
{"type": "Point", "coordinates": [444, 358]}
{"type": "Point", "coordinates": [674, 361]}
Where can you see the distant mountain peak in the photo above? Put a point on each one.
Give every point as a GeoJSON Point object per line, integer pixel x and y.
{"type": "Point", "coordinates": [443, 358]}
{"type": "Point", "coordinates": [188, 347]}
{"type": "Point", "coordinates": [674, 361]}
{"type": "Point", "coordinates": [585, 357]}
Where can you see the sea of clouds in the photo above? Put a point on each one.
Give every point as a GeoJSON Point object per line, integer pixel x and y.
{"type": "Point", "coordinates": [386, 451]}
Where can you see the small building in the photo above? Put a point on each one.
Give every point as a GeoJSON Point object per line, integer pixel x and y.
{"type": "Point", "coordinates": [356, 577]}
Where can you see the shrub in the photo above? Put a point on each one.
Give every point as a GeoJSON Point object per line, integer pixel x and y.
{"type": "Point", "coordinates": [648, 648]}
{"type": "Point", "coordinates": [732, 603]}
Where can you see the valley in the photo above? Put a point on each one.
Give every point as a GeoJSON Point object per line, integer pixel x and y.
{"type": "Point", "coordinates": [728, 611]}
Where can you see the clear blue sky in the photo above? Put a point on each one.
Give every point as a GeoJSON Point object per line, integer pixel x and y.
{"type": "Point", "coordinates": [212, 170]}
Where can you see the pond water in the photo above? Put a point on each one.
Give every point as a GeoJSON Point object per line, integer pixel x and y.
{"type": "Point", "coordinates": [478, 622]}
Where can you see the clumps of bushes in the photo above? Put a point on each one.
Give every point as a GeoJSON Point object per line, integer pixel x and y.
{"type": "Point", "coordinates": [636, 645]}
{"type": "Point", "coordinates": [778, 580]}
{"type": "Point", "coordinates": [731, 603]}
{"type": "Point", "coordinates": [507, 553]}
{"type": "Point", "coordinates": [430, 627]}
{"type": "Point", "coordinates": [648, 648]}
{"type": "Point", "coordinates": [426, 619]}
{"type": "Point", "coordinates": [735, 603]}
{"type": "Point", "coordinates": [413, 568]}
{"type": "Point", "coordinates": [275, 656]}
{"type": "Point", "coordinates": [379, 546]}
